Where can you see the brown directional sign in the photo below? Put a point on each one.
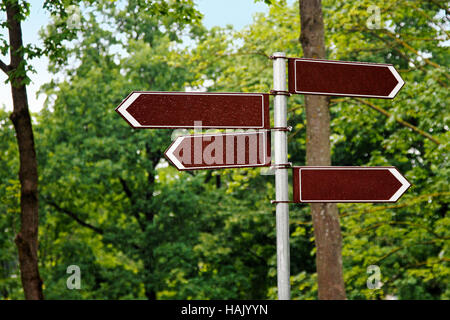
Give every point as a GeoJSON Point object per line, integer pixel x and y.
{"type": "Point", "coordinates": [220, 150]}
{"type": "Point", "coordinates": [142, 109]}
{"type": "Point", "coordinates": [343, 78]}
{"type": "Point", "coordinates": [348, 184]}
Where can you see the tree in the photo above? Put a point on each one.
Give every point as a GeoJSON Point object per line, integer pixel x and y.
{"type": "Point", "coordinates": [10, 285]}
{"type": "Point", "coordinates": [407, 240]}
{"type": "Point", "coordinates": [17, 71]}
{"type": "Point", "coordinates": [410, 132]}
{"type": "Point", "coordinates": [128, 211]}
{"type": "Point", "coordinates": [27, 238]}
{"type": "Point", "coordinates": [327, 229]}
{"type": "Point", "coordinates": [20, 55]}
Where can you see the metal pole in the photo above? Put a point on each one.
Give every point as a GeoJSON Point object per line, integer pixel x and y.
{"type": "Point", "coordinates": [281, 178]}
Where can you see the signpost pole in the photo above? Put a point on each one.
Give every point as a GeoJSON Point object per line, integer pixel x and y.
{"type": "Point", "coordinates": [281, 177]}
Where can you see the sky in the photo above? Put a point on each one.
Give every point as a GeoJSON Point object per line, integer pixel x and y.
{"type": "Point", "coordinates": [238, 13]}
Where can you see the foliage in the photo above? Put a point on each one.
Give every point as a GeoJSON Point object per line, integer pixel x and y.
{"type": "Point", "coordinates": [409, 240]}
{"type": "Point", "coordinates": [136, 227]}
{"type": "Point", "coordinates": [10, 285]}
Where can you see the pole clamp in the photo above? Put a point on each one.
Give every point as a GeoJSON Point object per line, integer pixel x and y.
{"type": "Point", "coordinates": [288, 128]}
{"type": "Point", "coordinates": [281, 201]}
{"type": "Point", "coordinates": [281, 165]}
{"type": "Point", "coordinates": [277, 57]}
{"type": "Point", "coordinates": [280, 92]}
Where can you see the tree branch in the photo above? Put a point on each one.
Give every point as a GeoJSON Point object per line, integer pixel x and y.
{"type": "Point", "coordinates": [208, 176]}
{"type": "Point", "coordinates": [249, 53]}
{"type": "Point", "coordinates": [447, 12]}
{"type": "Point", "coordinates": [406, 223]}
{"type": "Point", "coordinates": [5, 68]}
{"type": "Point", "coordinates": [74, 216]}
{"type": "Point", "coordinates": [409, 60]}
{"type": "Point", "coordinates": [416, 52]}
{"type": "Point", "coordinates": [400, 42]}
{"type": "Point", "coordinates": [432, 241]}
{"type": "Point", "coordinates": [127, 190]}
{"type": "Point", "coordinates": [424, 197]}
{"type": "Point", "coordinates": [418, 66]}
{"type": "Point", "coordinates": [416, 265]}
{"type": "Point", "coordinates": [411, 202]}
{"type": "Point", "coordinates": [430, 19]}
{"type": "Point", "coordinates": [129, 194]}
{"type": "Point", "coordinates": [400, 121]}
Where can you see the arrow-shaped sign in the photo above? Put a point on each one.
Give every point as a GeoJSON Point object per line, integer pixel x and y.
{"type": "Point", "coordinates": [143, 109]}
{"type": "Point", "coordinates": [348, 184]}
{"type": "Point", "coordinates": [220, 151]}
{"type": "Point", "coordinates": [343, 78]}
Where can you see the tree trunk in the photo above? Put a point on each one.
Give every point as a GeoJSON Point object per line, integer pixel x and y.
{"type": "Point", "coordinates": [327, 230]}
{"type": "Point", "coordinates": [27, 238]}
{"type": "Point", "coordinates": [149, 278]}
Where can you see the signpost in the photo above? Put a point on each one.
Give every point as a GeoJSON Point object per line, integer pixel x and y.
{"type": "Point", "coordinates": [348, 184]}
{"type": "Point", "coordinates": [281, 177]}
{"type": "Point", "coordinates": [220, 151]}
{"type": "Point", "coordinates": [142, 109]}
{"type": "Point", "coordinates": [342, 78]}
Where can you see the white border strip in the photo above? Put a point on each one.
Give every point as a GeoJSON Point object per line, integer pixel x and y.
{"type": "Point", "coordinates": [405, 184]}
{"type": "Point", "coordinates": [171, 150]}
{"type": "Point", "coordinates": [391, 68]}
{"type": "Point", "coordinates": [399, 84]}
{"type": "Point", "coordinates": [122, 109]}
{"type": "Point", "coordinates": [124, 106]}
